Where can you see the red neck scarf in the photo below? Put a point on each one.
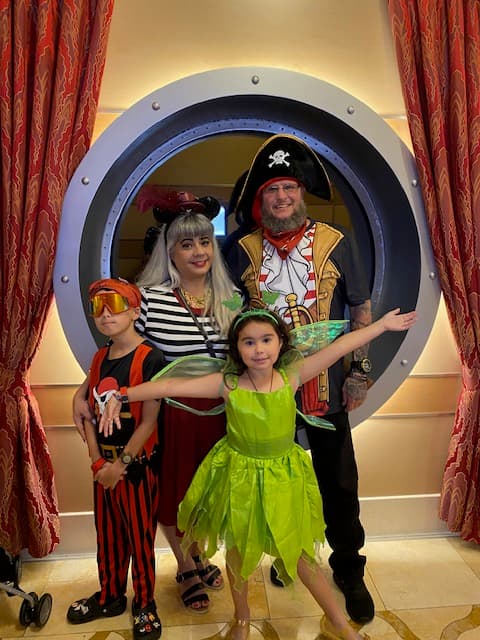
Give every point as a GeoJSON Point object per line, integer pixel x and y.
{"type": "Point", "coordinates": [285, 241]}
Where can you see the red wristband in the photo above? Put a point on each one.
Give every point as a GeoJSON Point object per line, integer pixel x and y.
{"type": "Point", "coordinates": [97, 465]}
{"type": "Point", "coordinates": [122, 395]}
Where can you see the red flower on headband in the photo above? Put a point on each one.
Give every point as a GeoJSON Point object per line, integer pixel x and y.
{"type": "Point", "coordinates": [166, 204]}
{"type": "Point", "coordinates": [153, 196]}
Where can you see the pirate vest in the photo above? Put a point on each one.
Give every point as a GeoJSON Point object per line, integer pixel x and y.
{"type": "Point", "coordinates": [135, 377]}
{"type": "Point", "coordinates": [326, 238]}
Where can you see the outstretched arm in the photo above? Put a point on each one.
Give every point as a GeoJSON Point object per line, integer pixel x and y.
{"type": "Point", "coordinates": [392, 321]}
{"type": "Point", "coordinates": [209, 386]}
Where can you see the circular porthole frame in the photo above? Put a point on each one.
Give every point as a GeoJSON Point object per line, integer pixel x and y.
{"type": "Point", "coordinates": [376, 169]}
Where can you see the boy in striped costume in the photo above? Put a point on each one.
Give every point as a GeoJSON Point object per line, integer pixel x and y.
{"type": "Point", "coordinates": [124, 464]}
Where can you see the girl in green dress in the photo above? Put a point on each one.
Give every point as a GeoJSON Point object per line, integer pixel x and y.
{"type": "Point", "coordinates": [256, 490]}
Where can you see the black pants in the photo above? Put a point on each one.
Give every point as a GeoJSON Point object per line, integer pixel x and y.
{"type": "Point", "coordinates": [336, 470]}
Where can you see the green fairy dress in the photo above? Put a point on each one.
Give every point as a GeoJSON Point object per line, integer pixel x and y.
{"type": "Point", "coordinates": [256, 490]}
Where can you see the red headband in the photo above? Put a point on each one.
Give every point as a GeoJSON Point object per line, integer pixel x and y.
{"type": "Point", "coordinates": [257, 201]}
{"type": "Point", "coordinates": [129, 291]}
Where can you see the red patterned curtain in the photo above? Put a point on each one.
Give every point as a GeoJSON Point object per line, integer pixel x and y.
{"type": "Point", "coordinates": [52, 54]}
{"type": "Point", "coordinates": [438, 52]}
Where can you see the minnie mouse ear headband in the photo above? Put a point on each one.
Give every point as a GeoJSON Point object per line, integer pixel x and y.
{"type": "Point", "coordinates": [150, 239]}
{"type": "Point", "coordinates": [284, 156]}
{"type": "Point", "coordinates": [167, 204]}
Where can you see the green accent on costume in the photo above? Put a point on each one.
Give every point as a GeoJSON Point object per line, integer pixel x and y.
{"type": "Point", "coordinates": [234, 303]}
{"type": "Point", "coordinates": [269, 297]}
{"type": "Point", "coordinates": [252, 313]}
{"type": "Point", "coordinates": [214, 411]}
{"type": "Point", "coordinates": [310, 338]}
{"type": "Point", "coordinates": [192, 367]}
{"type": "Point", "coordinates": [316, 421]}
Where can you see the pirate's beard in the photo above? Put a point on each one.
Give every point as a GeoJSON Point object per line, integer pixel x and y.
{"type": "Point", "coordinates": [295, 221]}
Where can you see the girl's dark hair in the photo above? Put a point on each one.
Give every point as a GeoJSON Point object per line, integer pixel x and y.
{"type": "Point", "coordinates": [257, 315]}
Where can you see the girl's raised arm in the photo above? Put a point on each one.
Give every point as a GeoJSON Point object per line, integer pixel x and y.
{"type": "Point", "coordinates": [209, 386]}
{"type": "Point", "coordinates": [392, 321]}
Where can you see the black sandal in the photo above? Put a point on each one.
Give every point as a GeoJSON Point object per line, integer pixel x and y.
{"type": "Point", "coordinates": [191, 596]}
{"type": "Point", "coordinates": [209, 574]}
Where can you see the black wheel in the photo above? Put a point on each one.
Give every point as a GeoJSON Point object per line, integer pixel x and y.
{"type": "Point", "coordinates": [27, 610]}
{"type": "Point", "coordinates": [17, 564]}
{"type": "Point", "coordinates": [43, 610]}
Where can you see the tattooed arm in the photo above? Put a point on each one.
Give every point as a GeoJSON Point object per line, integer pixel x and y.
{"type": "Point", "coordinates": [356, 383]}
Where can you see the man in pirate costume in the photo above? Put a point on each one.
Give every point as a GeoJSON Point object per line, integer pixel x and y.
{"type": "Point", "coordinates": [315, 270]}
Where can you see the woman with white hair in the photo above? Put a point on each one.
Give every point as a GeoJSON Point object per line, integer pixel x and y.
{"type": "Point", "coordinates": [183, 285]}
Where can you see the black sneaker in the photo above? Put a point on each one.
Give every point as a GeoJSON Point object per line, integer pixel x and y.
{"type": "Point", "coordinates": [146, 623]}
{"type": "Point", "coordinates": [276, 570]}
{"type": "Point", "coordinates": [358, 601]}
{"type": "Point", "coordinates": [88, 609]}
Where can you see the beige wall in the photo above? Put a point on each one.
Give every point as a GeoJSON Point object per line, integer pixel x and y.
{"type": "Point", "coordinates": [344, 42]}
{"type": "Point", "coordinates": [401, 450]}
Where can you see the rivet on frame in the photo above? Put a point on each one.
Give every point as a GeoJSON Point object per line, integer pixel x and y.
{"type": "Point", "coordinates": [414, 182]}
{"type": "Point", "coordinates": [65, 279]}
{"type": "Point", "coordinates": [85, 180]}
{"type": "Point", "coordinates": [432, 275]}
{"type": "Point", "coordinates": [255, 79]}
{"type": "Point", "coordinates": [350, 109]}
{"type": "Point", "coordinates": [155, 106]}
{"type": "Point", "coordinates": [404, 363]}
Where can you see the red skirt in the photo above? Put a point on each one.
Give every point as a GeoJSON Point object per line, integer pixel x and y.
{"type": "Point", "coordinates": [186, 439]}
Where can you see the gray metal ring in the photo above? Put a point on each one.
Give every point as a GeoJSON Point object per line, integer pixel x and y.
{"type": "Point", "coordinates": [373, 168]}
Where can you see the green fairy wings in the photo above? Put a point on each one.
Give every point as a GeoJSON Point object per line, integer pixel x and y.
{"type": "Point", "coordinates": [310, 338]}
{"type": "Point", "coordinates": [192, 367]}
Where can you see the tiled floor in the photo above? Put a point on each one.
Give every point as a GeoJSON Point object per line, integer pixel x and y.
{"type": "Point", "coordinates": [426, 589]}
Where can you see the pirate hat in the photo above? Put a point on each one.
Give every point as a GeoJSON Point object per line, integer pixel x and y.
{"type": "Point", "coordinates": [284, 156]}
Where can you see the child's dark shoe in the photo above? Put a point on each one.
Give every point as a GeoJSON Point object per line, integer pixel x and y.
{"type": "Point", "coordinates": [278, 575]}
{"type": "Point", "coordinates": [88, 609]}
{"type": "Point", "coordinates": [146, 623]}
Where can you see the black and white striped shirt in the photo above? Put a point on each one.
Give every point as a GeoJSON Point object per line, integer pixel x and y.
{"type": "Point", "coordinates": [168, 325]}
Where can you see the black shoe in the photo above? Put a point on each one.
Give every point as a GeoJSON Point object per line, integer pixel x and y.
{"type": "Point", "coordinates": [88, 609]}
{"type": "Point", "coordinates": [275, 570]}
{"type": "Point", "coordinates": [146, 623]}
{"type": "Point", "coordinates": [358, 601]}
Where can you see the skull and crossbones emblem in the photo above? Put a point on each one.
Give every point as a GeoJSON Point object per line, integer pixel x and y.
{"type": "Point", "coordinates": [279, 157]}
{"type": "Point", "coordinates": [102, 393]}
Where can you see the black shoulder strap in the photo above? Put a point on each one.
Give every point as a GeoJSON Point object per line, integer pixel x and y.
{"type": "Point", "coordinates": [208, 342]}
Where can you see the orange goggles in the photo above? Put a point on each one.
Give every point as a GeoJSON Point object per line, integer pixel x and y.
{"type": "Point", "coordinates": [114, 302]}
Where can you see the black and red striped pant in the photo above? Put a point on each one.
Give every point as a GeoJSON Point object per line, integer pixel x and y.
{"type": "Point", "coordinates": [126, 523]}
